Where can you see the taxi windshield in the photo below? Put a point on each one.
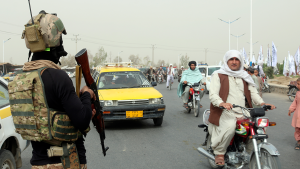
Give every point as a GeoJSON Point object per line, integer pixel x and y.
{"type": "Point", "coordinates": [212, 69]}
{"type": "Point", "coordinates": [118, 80]}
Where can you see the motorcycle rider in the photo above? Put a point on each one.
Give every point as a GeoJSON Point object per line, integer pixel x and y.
{"type": "Point", "coordinates": [229, 85]}
{"type": "Point", "coordinates": [192, 75]}
{"type": "Point", "coordinates": [180, 73]}
{"type": "Point", "coordinates": [53, 92]}
{"type": "Point", "coordinates": [151, 72]}
{"type": "Point", "coordinates": [160, 71]}
{"type": "Point", "coordinates": [170, 73]}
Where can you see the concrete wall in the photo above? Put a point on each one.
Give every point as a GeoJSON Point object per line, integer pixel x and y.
{"type": "Point", "coordinates": [282, 89]}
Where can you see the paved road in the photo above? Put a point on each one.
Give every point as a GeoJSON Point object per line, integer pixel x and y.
{"type": "Point", "coordinates": [141, 145]}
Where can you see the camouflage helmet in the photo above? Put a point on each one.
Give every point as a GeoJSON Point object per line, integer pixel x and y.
{"type": "Point", "coordinates": [50, 27]}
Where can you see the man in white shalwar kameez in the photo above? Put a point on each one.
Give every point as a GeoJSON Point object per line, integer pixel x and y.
{"type": "Point", "coordinates": [235, 81]}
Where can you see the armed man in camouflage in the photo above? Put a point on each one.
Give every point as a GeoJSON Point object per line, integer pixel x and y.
{"type": "Point", "coordinates": [44, 105]}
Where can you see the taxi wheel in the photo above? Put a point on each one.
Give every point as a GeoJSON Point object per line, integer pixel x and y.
{"type": "Point", "coordinates": [7, 160]}
{"type": "Point", "coordinates": [158, 121]}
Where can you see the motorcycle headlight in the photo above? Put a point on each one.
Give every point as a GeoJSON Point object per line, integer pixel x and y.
{"type": "Point", "coordinates": [262, 122]}
{"type": "Point", "coordinates": [155, 101]}
{"type": "Point", "coordinates": [197, 88]}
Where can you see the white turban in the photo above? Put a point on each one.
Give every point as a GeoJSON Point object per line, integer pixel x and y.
{"type": "Point", "coordinates": [238, 73]}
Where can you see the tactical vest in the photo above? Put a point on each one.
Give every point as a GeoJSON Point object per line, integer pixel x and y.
{"type": "Point", "coordinates": [32, 117]}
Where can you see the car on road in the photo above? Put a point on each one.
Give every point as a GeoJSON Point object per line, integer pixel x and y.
{"type": "Point", "coordinates": [207, 71]}
{"type": "Point", "coordinates": [126, 94]}
{"type": "Point", "coordinates": [11, 143]}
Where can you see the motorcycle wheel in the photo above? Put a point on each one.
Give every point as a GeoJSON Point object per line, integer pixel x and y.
{"type": "Point", "coordinates": [197, 108]}
{"type": "Point", "coordinates": [266, 160]}
{"type": "Point", "coordinates": [210, 151]}
{"type": "Point", "coordinates": [292, 92]}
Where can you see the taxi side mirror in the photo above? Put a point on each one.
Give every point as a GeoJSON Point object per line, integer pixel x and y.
{"type": "Point", "coordinates": [153, 83]}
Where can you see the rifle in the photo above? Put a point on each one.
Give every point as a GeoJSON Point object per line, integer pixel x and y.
{"type": "Point", "coordinates": [82, 59]}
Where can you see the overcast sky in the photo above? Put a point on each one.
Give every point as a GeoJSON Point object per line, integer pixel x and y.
{"type": "Point", "coordinates": [174, 26]}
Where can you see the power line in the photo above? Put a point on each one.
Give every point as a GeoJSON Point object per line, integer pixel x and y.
{"type": "Point", "coordinates": [9, 32]}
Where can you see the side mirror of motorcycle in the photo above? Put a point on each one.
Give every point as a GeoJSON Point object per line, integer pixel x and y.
{"type": "Point", "coordinates": [153, 83]}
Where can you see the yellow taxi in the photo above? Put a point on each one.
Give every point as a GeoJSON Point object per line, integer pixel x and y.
{"type": "Point", "coordinates": [9, 76]}
{"type": "Point", "coordinates": [126, 94]}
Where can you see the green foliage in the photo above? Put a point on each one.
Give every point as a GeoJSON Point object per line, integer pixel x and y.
{"type": "Point", "coordinates": [269, 72]}
{"type": "Point", "coordinates": [280, 68]}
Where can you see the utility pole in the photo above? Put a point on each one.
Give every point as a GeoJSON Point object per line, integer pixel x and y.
{"type": "Point", "coordinates": [76, 39]}
{"type": "Point", "coordinates": [152, 55]}
{"type": "Point", "coordinates": [206, 49]}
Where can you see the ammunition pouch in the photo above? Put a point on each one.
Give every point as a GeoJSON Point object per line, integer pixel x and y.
{"type": "Point", "coordinates": [68, 153]}
{"type": "Point", "coordinates": [34, 36]}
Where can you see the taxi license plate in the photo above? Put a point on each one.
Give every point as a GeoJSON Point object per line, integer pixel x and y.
{"type": "Point", "coordinates": [134, 114]}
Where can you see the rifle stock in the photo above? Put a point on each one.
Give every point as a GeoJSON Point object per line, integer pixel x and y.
{"type": "Point", "coordinates": [82, 59]}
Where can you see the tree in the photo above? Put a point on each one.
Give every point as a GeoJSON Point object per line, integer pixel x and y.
{"type": "Point", "coordinates": [100, 57]}
{"type": "Point", "coordinates": [116, 59]}
{"type": "Point", "coordinates": [147, 61]}
{"type": "Point", "coordinates": [90, 56]}
{"type": "Point", "coordinates": [135, 59]}
{"type": "Point", "coordinates": [184, 61]}
{"type": "Point", "coordinates": [161, 63]}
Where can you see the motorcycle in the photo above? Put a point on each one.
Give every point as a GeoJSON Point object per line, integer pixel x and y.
{"type": "Point", "coordinates": [266, 87]}
{"type": "Point", "coordinates": [196, 93]}
{"type": "Point", "coordinates": [292, 90]}
{"type": "Point", "coordinates": [264, 155]}
{"type": "Point", "coordinates": [160, 78]}
{"type": "Point", "coordinates": [151, 78]}
{"type": "Point", "coordinates": [179, 78]}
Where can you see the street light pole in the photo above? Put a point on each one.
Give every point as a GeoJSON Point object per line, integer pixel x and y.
{"type": "Point", "coordinates": [119, 57]}
{"type": "Point", "coordinates": [237, 43]}
{"type": "Point", "coordinates": [3, 53]}
{"type": "Point", "coordinates": [229, 22]}
{"type": "Point", "coordinates": [251, 49]}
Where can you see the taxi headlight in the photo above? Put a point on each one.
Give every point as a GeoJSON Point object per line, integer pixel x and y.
{"type": "Point", "coordinates": [108, 103]}
{"type": "Point", "coordinates": [155, 101]}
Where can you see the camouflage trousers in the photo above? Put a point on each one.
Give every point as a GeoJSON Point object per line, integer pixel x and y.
{"type": "Point", "coordinates": [55, 166]}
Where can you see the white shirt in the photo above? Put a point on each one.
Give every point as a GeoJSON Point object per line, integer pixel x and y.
{"type": "Point", "coordinates": [172, 71]}
{"type": "Point", "coordinates": [236, 92]}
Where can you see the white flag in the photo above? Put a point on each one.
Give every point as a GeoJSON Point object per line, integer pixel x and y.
{"type": "Point", "coordinates": [253, 59]}
{"type": "Point", "coordinates": [245, 55]}
{"type": "Point", "coordinates": [285, 67]}
{"type": "Point", "coordinates": [269, 58]}
{"type": "Point", "coordinates": [274, 55]}
{"type": "Point", "coordinates": [297, 57]}
{"type": "Point", "coordinates": [292, 70]}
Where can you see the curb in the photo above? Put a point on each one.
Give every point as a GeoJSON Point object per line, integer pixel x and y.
{"type": "Point", "coordinates": [281, 89]}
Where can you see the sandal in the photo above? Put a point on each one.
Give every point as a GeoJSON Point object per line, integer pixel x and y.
{"type": "Point", "coordinates": [219, 160]}
{"type": "Point", "coordinates": [201, 106]}
{"type": "Point", "coordinates": [185, 105]}
{"type": "Point", "coordinates": [297, 147]}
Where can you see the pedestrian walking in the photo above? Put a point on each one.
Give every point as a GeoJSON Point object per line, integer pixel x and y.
{"type": "Point", "coordinates": [295, 107]}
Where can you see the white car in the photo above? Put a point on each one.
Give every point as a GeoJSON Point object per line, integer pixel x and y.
{"type": "Point", "coordinates": [11, 143]}
{"type": "Point", "coordinates": [207, 71]}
